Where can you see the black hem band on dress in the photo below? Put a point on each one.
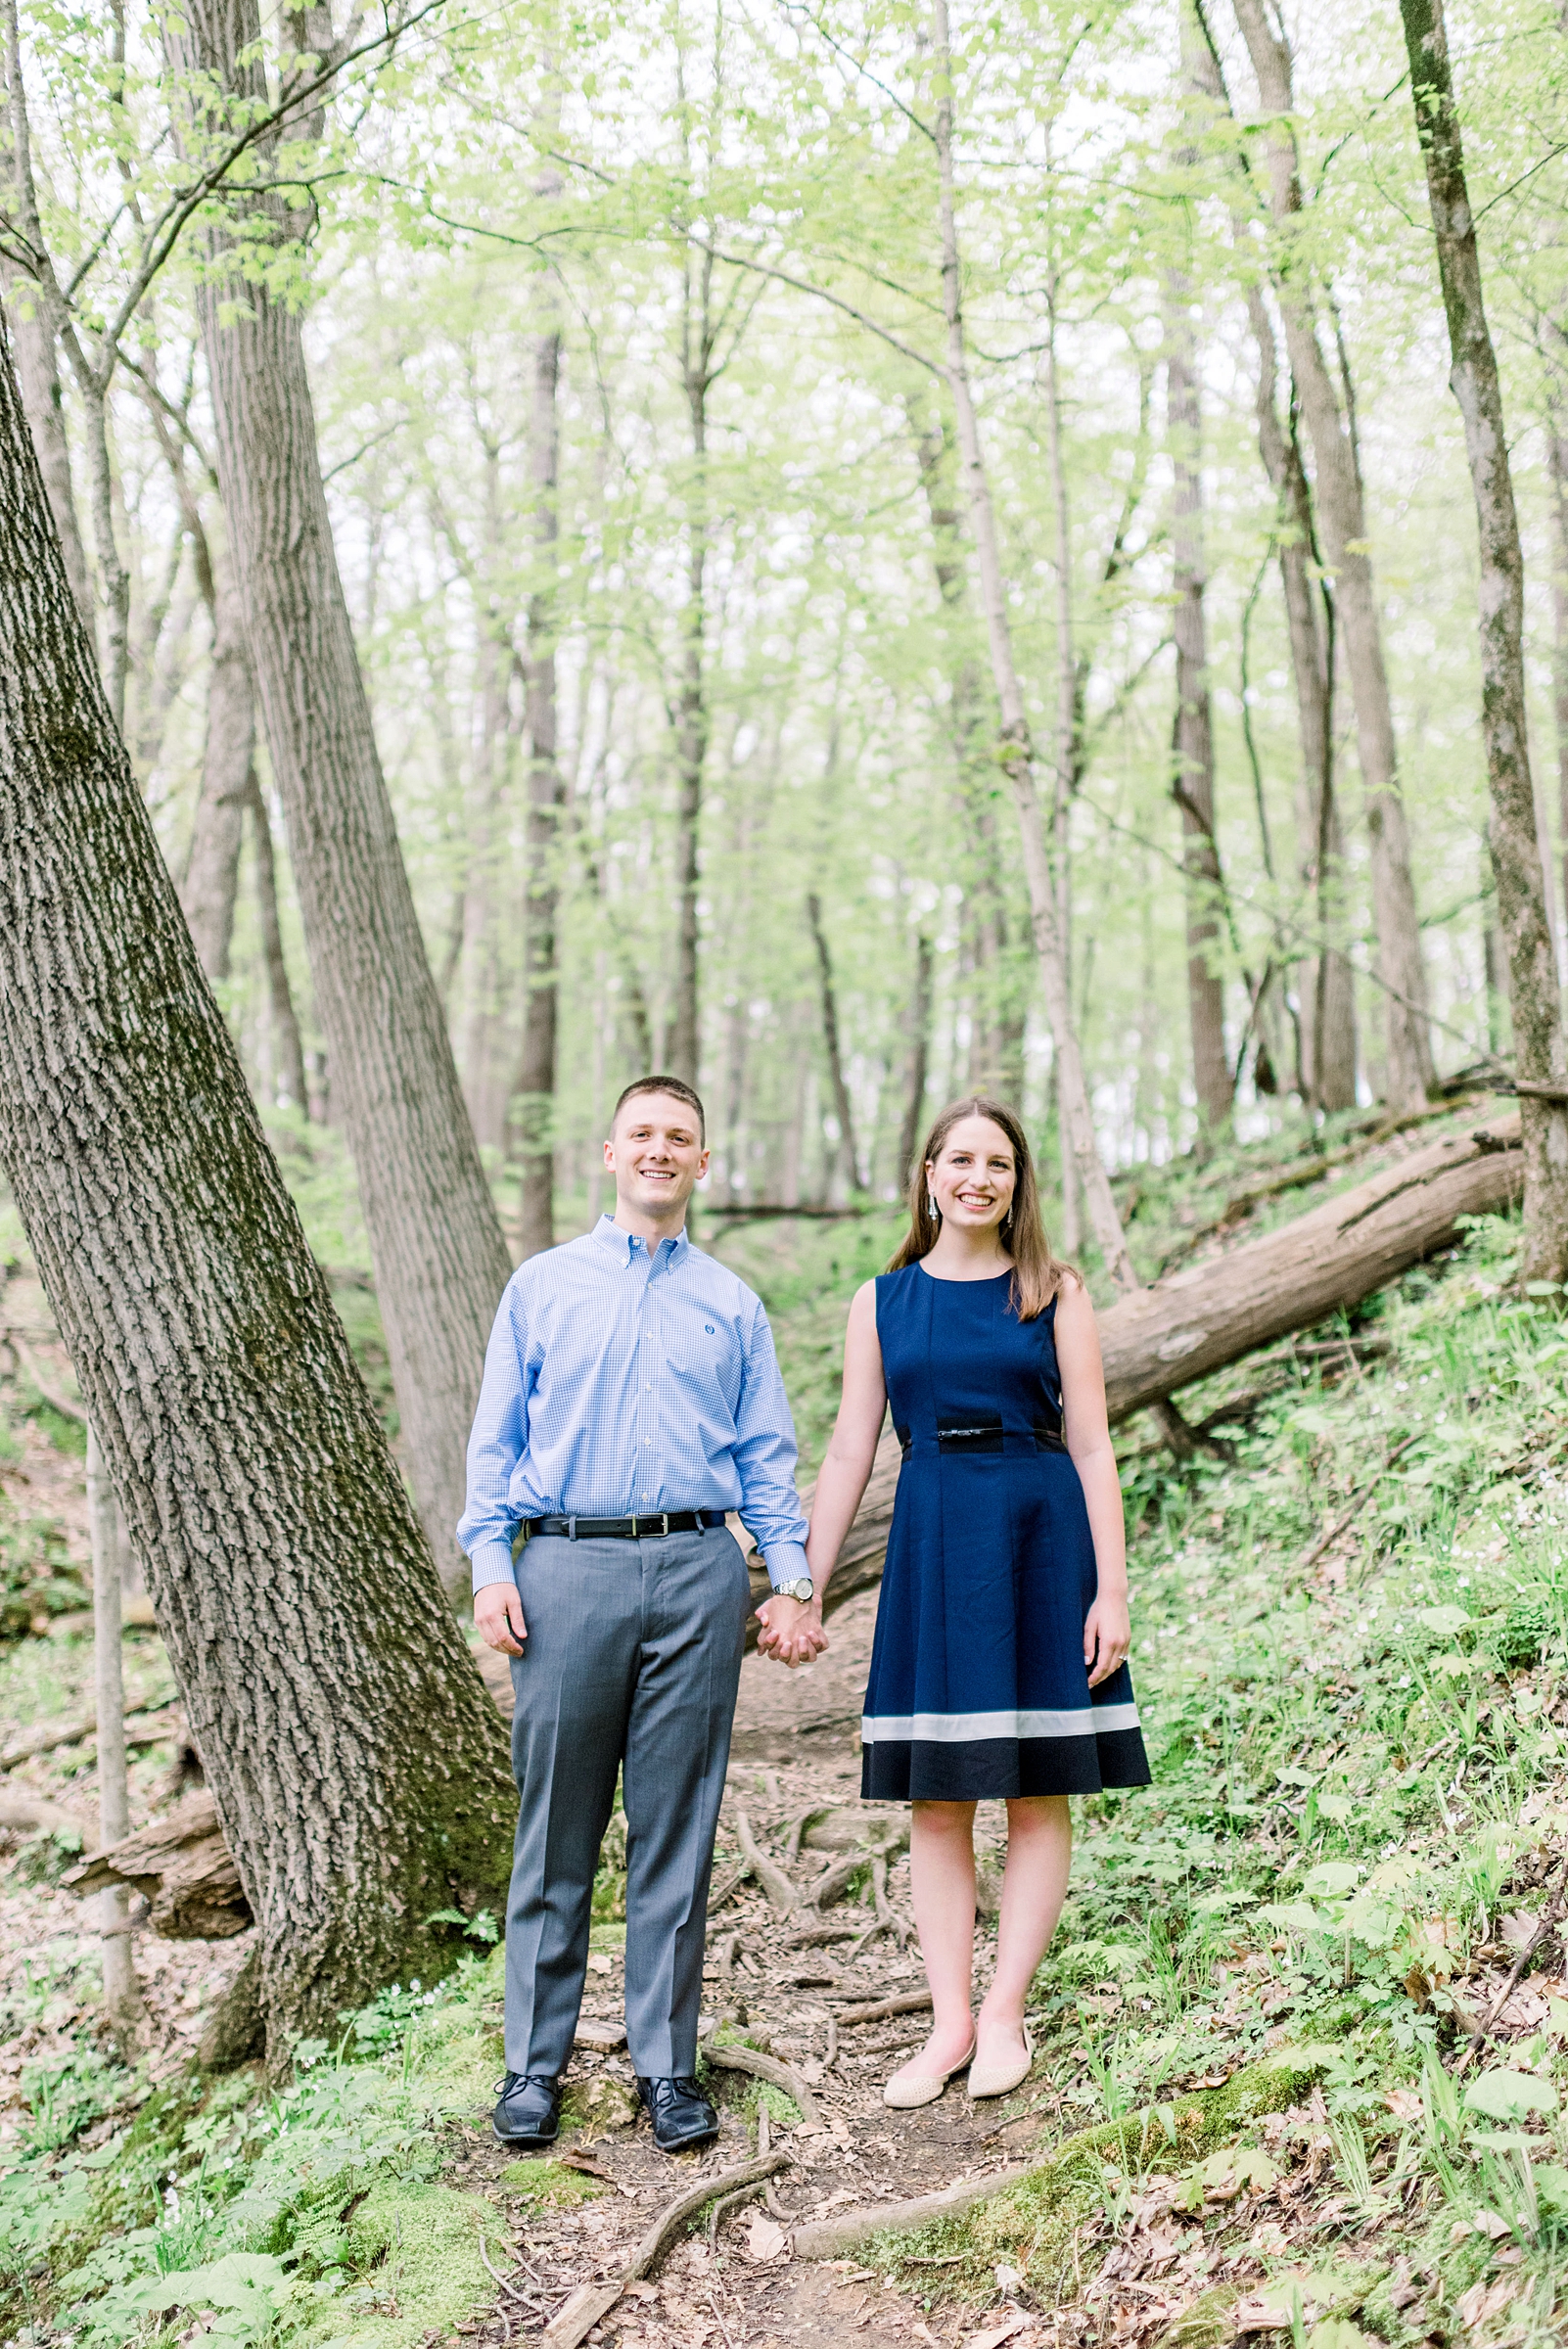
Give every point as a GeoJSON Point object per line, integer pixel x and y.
{"type": "Point", "coordinates": [984, 1769]}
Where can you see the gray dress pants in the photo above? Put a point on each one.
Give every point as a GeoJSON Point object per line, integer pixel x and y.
{"type": "Point", "coordinates": [633, 1662]}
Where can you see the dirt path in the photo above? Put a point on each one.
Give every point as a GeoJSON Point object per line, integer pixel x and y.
{"type": "Point", "coordinates": [796, 1751]}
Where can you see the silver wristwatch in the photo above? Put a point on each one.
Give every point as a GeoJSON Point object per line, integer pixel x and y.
{"type": "Point", "coordinates": [802, 1587]}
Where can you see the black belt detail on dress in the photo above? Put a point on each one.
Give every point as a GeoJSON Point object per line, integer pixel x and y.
{"type": "Point", "coordinates": [648, 1528]}
{"type": "Point", "coordinates": [980, 1435]}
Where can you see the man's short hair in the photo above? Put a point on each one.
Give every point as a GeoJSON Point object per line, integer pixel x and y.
{"type": "Point", "coordinates": [662, 1084]}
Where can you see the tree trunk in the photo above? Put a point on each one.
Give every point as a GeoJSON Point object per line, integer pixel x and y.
{"type": "Point", "coordinates": [1326, 984]}
{"type": "Point", "coordinates": [484, 1052]}
{"type": "Point", "coordinates": [1557, 458]}
{"type": "Point", "coordinates": [1192, 736]}
{"type": "Point", "coordinates": [996, 1044]}
{"type": "Point", "coordinates": [842, 1108]}
{"type": "Point", "coordinates": [1015, 748]}
{"type": "Point", "coordinates": [38, 372]}
{"type": "Point", "coordinates": [911, 1134]}
{"type": "Point", "coordinates": [541, 979]}
{"type": "Point", "coordinates": [1513, 832]}
{"type": "Point", "coordinates": [1341, 507]}
{"type": "Point", "coordinates": [288, 1053]}
{"type": "Point", "coordinates": [210, 885]}
{"type": "Point", "coordinates": [440, 1260]}
{"type": "Point", "coordinates": [697, 337]}
{"type": "Point", "coordinates": [360, 1770]}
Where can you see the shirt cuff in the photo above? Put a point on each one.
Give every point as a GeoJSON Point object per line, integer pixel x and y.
{"type": "Point", "coordinates": [785, 1564]}
{"type": "Point", "coordinates": [492, 1564]}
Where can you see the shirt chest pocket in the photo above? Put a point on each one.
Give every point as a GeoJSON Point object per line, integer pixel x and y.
{"type": "Point", "coordinates": [704, 1367]}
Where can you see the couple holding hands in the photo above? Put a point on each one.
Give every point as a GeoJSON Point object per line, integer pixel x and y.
{"type": "Point", "coordinates": [632, 1398]}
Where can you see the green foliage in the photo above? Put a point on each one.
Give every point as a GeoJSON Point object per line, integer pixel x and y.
{"type": "Point", "coordinates": [314, 2214]}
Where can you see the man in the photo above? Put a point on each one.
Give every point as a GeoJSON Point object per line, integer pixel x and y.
{"type": "Point", "coordinates": [631, 1397]}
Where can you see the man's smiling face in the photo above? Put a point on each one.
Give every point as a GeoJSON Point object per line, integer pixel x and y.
{"type": "Point", "coordinates": [657, 1157]}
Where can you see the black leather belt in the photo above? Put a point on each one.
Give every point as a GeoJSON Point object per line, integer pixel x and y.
{"type": "Point", "coordinates": [625, 1529]}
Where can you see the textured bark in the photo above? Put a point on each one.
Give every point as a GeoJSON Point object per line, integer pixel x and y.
{"type": "Point", "coordinates": [440, 1260]}
{"type": "Point", "coordinates": [1513, 829]}
{"type": "Point", "coordinates": [1193, 733]}
{"type": "Point", "coordinates": [1342, 511]}
{"type": "Point", "coordinates": [287, 1052]}
{"type": "Point", "coordinates": [540, 989]}
{"type": "Point", "coordinates": [33, 344]}
{"type": "Point", "coordinates": [358, 1767]}
{"type": "Point", "coordinates": [843, 1107]}
{"type": "Point", "coordinates": [1015, 749]}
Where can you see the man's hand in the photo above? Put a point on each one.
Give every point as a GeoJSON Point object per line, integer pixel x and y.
{"type": "Point", "coordinates": [498, 1617]}
{"type": "Point", "coordinates": [792, 1632]}
{"type": "Point", "coordinates": [1107, 1636]}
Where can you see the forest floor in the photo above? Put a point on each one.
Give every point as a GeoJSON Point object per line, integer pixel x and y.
{"type": "Point", "coordinates": [1255, 2111]}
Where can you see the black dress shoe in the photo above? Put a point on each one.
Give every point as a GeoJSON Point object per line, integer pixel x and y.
{"type": "Point", "coordinates": [680, 2113]}
{"type": "Point", "coordinates": [529, 2112]}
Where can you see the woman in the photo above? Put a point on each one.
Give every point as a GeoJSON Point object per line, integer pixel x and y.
{"type": "Point", "coordinates": [999, 1667]}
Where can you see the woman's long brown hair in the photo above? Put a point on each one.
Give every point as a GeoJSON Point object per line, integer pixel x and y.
{"type": "Point", "coordinates": [1036, 1273]}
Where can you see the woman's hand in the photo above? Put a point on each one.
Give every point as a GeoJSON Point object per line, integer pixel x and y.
{"type": "Point", "coordinates": [791, 1633]}
{"type": "Point", "coordinates": [1107, 1635]}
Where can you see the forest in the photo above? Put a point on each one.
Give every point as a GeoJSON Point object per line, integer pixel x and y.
{"type": "Point", "coordinates": [855, 556]}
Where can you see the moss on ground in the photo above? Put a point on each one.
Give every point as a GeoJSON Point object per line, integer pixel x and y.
{"type": "Point", "coordinates": [416, 2247]}
{"type": "Point", "coordinates": [1033, 2222]}
{"type": "Point", "coordinates": [550, 2181]}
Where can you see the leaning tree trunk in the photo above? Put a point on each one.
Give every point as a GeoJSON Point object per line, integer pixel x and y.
{"type": "Point", "coordinates": [1539, 1061]}
{"type": "Point", "coordinates": [540, 948]}
{"type": "Point", "coordinates": [33, 340]}
{"type": "Point", "coordinates": [360, 1770]}
{"type": "Point", "coordinates": [1342, 508]}
{"type": "Point", "coordinates": [440, 1260]}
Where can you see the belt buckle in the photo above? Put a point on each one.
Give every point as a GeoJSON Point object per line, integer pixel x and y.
{"type": "Point", "coordinates": [664, 1522]}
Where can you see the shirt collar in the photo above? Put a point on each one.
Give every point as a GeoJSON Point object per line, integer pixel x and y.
{"type": "Point", "coordinates": [627, 1249]}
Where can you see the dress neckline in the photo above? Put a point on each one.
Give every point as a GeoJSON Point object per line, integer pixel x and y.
{"type": "Point", "coordinates": [944, 1281]}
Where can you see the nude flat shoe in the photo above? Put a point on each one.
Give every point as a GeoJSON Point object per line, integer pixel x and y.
{"type": "Point", "coordinates": [904, 2092]}
{"type": "Point", "coordinates": [1003, 2078]}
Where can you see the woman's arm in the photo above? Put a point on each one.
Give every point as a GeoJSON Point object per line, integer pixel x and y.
{"type": "Point", "coordinates": [1108, 1631]}
{"type": "Point", "coordinates": [791, 1632]}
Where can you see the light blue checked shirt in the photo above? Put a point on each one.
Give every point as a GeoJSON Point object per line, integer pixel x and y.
{"type": "Point", "coordinates": [621, 1380]}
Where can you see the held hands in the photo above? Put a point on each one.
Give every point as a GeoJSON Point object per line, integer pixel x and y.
{"type": "Point", "coordinates": [792, 1632]}
{"type": "Point", "coordinates": [498, 1618]}
{"type": "Point", "coordinates": [1107, 1635]}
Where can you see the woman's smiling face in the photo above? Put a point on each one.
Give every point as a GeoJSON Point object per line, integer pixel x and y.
{"type": "Point", "coordinates": [975, 1176]}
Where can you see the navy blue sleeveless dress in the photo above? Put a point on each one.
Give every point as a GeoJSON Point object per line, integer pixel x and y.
{"type": "Point", "coordinates": [978, 1683]}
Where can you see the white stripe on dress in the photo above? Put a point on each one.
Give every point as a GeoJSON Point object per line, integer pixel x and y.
{"type": "Point", "coordinates": [972, 1729]}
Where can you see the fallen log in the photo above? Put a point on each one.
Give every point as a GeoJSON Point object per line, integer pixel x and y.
{"type": "Point", "coordinates": [1204, 1317]}
{"type": "Point", "coordinates": [183, 1866]}
{"type": "Point", "coordinates": [829, 2238]}
{"type": "Point", "coordinates": [1157, 1341]}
